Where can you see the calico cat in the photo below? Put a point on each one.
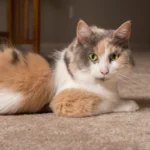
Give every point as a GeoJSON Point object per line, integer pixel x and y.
{"type": "Point", "coordinates": [79, 81]}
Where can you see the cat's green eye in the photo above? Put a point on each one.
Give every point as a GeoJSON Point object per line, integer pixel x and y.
{"type": "Point", "coordinates": [114, 57]}
{"type": "Point", "coordinates": [93, 57]}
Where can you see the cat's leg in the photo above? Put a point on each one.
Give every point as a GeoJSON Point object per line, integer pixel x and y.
{"type": "Point", "coordinates": [76, 103]}
{"type": "Point", "coordinates": [126, 106]}
{"type": "Point", "coordinates": [81, 103]}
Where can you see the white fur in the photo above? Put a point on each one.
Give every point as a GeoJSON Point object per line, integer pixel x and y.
{"type": "Point", "coordinates": [126, 106]}
{"type": "Point", "coordinates": [113, 67]}
{"type": "Point", "coordinates": [9, 101]}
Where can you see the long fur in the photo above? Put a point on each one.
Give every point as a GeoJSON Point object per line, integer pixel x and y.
{"type": "Point", "coordinates": [25, 82]}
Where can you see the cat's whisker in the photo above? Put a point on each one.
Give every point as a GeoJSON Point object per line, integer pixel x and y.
{"type": "Point", "coordinates": [132, 78]}
{"type": "Point", "coordinates": [129, 84]}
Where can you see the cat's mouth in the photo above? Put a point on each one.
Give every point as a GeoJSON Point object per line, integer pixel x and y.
{"type": "Point", "coordinates": [102, 79]}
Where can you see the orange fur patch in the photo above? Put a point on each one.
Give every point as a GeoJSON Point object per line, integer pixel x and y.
{"type": "Point", "coordinates": [75, 103]}
{"type": "Point", "coordinates": [100, 48]}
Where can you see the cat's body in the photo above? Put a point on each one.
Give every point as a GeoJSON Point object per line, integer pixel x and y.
{"type": "Point", "coordinates": [81, 81]}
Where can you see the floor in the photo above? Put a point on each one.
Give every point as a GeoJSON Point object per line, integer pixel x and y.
{"type": "Point", "coordinates": [116, 131]}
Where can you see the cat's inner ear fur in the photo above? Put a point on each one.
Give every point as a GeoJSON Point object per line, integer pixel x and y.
{"type": "Point", "coordinates": [84, 32]}
{"type": "Point", "coordinates": [122, 34]}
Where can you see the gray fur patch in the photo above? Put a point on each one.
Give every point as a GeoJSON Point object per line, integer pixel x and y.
{"type": "Point", "coordinates": [67, 62]}
{"type": "Point", "coordinates": [15, 57]}
{"type": "Point", "coordinates": [51, 58]}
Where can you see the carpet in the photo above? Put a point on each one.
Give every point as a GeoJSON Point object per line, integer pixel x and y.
{"type": "Point", "coordinates": [115, 131]}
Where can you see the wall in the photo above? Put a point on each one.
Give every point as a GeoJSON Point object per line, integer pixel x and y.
{"type": "Point", "coordinates": [3, 25]}
{"type": "Point", "coordinates": [56, 27]}
{"type": "Point", "coordinates": [110, 14]}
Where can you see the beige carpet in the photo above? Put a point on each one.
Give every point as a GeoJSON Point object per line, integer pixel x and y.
{"type": "Point", "coordinates": [117, 131]}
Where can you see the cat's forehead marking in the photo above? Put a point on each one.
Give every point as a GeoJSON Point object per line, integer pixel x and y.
{"type": "Point", "coordinates": [101, 47]}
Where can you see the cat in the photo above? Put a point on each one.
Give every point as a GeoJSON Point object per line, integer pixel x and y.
{"type": "Point", "coordinates": [79, 81]}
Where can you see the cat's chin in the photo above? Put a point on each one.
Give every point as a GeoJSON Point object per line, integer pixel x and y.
{"type": "Point", "coordinates": [102, 79]}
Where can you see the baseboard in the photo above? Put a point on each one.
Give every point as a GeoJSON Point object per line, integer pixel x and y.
{"type": "Point", "coordinates": [25, 47]}
{"type": "Point", "coordinates": [53, 45]}
{"type": "Point", "coordinates": [44, 47]}
{"type": "Point", "coordinates": [48, 47]}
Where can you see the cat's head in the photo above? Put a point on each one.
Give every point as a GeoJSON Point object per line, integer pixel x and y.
{"type": "Point", "coordinates": [98, 53]}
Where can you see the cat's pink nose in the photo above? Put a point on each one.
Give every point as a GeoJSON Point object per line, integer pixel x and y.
{"type": "Point", "coordinates": [104, 71]}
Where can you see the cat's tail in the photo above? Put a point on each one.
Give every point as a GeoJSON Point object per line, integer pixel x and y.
{"type": "Point", "coordinates": [25, 81]}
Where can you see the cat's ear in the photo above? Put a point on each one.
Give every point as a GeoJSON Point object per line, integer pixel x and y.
{"type": "Point", "coordinates": [122, 34]}
{"type": "Point", "coordinates": [84, 32]}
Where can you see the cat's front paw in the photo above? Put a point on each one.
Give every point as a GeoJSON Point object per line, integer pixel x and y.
{"type": "Point", "coordinates": [131, 106]}
{"type": "Point", "coordinates": [127, 106]}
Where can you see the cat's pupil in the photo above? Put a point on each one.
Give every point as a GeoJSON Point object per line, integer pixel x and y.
{"type": "Point", "coordinates": [114, 56]}
{"type": "Point", "coordinates": [93, 56]}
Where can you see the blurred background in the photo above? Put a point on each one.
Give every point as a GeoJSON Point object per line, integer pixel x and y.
{"type": "Point", "coordinates": [47, 24]}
